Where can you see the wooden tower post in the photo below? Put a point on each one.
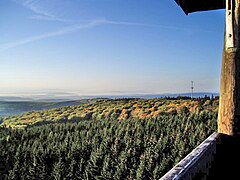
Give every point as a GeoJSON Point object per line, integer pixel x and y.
{"type": "Point", "coordinates": [229, 107]}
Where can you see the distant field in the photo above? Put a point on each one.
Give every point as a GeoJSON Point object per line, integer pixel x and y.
{"type": "Point", "coordinates": [14, 108]}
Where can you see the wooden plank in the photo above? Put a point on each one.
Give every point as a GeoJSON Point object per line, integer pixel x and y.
{"type": "Point", "coordinates": [230, 24]}
{"type": "Point", "coordinates": [196, 163]}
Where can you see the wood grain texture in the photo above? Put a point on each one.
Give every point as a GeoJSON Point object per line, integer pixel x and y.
{"type": "Point", "coordinates": [229, 107]}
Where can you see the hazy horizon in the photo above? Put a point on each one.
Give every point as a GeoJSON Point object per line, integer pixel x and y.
{"type": "Point", "coordinates": [41, 95]}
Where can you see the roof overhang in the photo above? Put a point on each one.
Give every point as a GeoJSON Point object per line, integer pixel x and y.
{"type": "Point", "coordinates": [190, 6]}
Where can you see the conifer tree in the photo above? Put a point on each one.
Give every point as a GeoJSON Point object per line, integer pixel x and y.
{"type": "Point", "coordinates": [58, 170]}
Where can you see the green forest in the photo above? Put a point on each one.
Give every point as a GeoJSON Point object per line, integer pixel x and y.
{"type": "Point", "coordinates": [106, 139]}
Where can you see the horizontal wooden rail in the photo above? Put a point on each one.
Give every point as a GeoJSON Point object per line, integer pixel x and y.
{"type": "Point", "coordinates": [196, 164]}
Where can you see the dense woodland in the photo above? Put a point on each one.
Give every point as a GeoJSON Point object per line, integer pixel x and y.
{"type": "Point", "coordinates": [108, 144]}
{"type": "Point", "coordinates": [118, 109]}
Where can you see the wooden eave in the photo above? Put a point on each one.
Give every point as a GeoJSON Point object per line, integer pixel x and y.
{"type": "Point", "coordinates": [190, 6]}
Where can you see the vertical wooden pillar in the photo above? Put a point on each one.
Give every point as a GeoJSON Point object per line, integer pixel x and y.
{"type": "Point", "coordinates": [229, 107]}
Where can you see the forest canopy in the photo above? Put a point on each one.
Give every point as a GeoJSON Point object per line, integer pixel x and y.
{"type": "Point", "coordinates": [108, 144]}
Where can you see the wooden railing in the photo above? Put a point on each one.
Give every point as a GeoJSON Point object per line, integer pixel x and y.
{"type": "Point", "coordinates": [218, 157]}
{"type": "Point", "coordinates": [197, 164]}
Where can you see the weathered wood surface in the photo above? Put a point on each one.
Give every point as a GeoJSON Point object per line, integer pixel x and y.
{"type": "Point", "coordinates": [229, 107]}
{"type": "Point", "coordinates": [216, 158]}
{"type": "Point", "coordinates": [195, 165]}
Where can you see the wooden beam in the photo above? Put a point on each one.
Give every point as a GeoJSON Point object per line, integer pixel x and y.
{"type": "Point", "coordinates": [190, 6]}
{"type": "Point", "coordinates": [229, 107]}
{"type": "Point", "coordinates": [229, 35]}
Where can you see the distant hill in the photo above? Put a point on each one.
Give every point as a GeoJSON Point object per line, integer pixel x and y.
{"type": "Point", "coordinates": [13, 105]}
{"type": "Point", "coordinates": [18, 107]}
{"type": "Point", "coordinates": [150, 96]}
{"type": "Point", "coordinates": [117, 109]}
{"type": "Point", "coordinates": [57, 97]}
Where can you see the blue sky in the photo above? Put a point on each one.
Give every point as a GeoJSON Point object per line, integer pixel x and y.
{"type": "Point", "coordinates": [108, 47]}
